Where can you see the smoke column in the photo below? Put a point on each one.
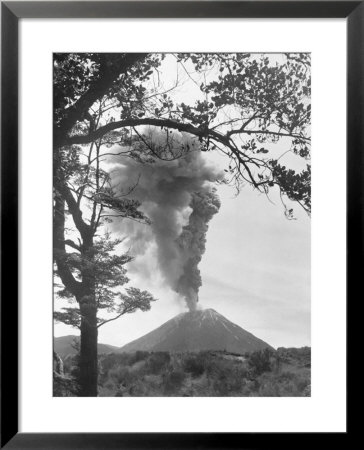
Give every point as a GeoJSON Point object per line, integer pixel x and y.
{"type": "Point", "coordinates": [192, 244]}
{"type": "Point", "coordinates": [179, 198]}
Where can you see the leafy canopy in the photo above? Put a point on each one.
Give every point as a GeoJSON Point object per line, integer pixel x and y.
{"type": "Point", "coordinates": [245, 105]}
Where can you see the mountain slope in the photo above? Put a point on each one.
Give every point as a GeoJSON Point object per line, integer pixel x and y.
{"type": "Point", "coordinates": [64, 346]}
{"type": "Point", "coordinates": [194, 331]}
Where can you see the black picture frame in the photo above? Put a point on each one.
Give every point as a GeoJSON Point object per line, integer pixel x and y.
{"type": "Point", "coordinates": [11, 12]}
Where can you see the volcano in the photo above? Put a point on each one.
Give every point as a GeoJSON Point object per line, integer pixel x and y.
{"type": "Point", "coordinates": [198, 330]}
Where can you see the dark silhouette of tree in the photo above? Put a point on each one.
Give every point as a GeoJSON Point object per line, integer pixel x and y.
{"type": "Point", "coordinates": [249, 104]}
{"type": "Point", "coordinates": [92, 269]}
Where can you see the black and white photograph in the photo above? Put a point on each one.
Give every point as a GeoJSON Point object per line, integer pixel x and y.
{"type": "Point", "coordinates": [181, 224]}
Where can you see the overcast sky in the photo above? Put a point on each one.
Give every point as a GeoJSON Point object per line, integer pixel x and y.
{"type": "Point", "coordinates": [255, 271]}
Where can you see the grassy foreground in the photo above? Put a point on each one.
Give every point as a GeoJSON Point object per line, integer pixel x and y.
{"type": "Point", "coordinates": [282, 373]}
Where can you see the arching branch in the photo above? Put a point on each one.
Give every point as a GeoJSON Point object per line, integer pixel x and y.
{"type": "Point", "coordinates": [110, 71]}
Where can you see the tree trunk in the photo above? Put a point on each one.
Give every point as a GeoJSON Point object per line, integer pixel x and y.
{"type": "Point", "coordinates": [88, 310]}
{"type": "Point", "coordinates": [83, 291]}
{"type": "Point", "coordinates": [88, 348]}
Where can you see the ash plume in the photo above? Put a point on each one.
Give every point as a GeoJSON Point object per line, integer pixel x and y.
{"type": "Point", "coordinates": [180, 199]}
{"type": "Point", "coordinates": [192, 243]}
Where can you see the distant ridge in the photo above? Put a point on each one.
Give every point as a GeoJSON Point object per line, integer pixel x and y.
{"type": "Point", "coordinates": [63, 345]}
{"type": "Point", "coordinates": [195, 331]}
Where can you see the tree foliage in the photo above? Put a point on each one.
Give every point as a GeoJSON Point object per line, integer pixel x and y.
{"type": "Point", "coordinates": [248, 103]}
{"type": "Point", "coordinates": [110, 275]}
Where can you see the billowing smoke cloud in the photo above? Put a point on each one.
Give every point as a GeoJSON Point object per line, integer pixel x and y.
{"type": "Point", "coordinates": [180, 199]}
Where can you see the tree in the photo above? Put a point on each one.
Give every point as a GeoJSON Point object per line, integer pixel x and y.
{"type": "Point", "coordinates": [92, 272]}
{"type": "Point", "coordinates": [247, 104]}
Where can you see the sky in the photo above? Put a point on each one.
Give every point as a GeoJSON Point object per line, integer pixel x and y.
{"type": "Point", "coordinates": [255, 270]}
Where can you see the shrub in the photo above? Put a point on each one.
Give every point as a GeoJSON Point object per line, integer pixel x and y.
{"type": "Point", "coordinates": [260, 361]}
{"type": "Point", "coordinates": [228, 379]}
{"type": "Point", "coordinates": [112, 360]}
{"type": "Point", "coordinates": [64, 386]}
{"type": "Point", "coordinates": [221, 386]}
{"type": "Point", "coordinates": [120, 375]}
{"type": "Point", "coordinates": [269, 389]}
{"type": "Point", "coordinates": [157, 361]}
{"type": "Point", "coordinates": [140, 356]}
{"type": "Point", "coordinates": [286, 384]}
{"type": "Point", "coordinates": [302, 356]}
{"type": "Point", "coordinates": [195, 365]}
{"type": "Point", "coordinates": [173, 381]}
{"type": "Point", "coordinates": [138, 389]}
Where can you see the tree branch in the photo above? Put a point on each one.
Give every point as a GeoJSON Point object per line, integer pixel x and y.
{"type": "Point", "coordinates": [110, 70]}
{"type": "Point", "coordinates": [124, 311]}
{"type": "Point", "coordinates": [60, 253]}
{"type": "Point", "coordinates": [110, 320]}
{"type": "Point", "coordinates": [72, 244]}
{"type": "Point", "coordinates": [272, 133]}
{"type": "Point", "coordinates": [75, 210]}
{"type": "Point", "coordinates": [134, 122]}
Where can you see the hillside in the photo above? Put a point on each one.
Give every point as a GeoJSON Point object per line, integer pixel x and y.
{"type": "Point", "coordinates": [64, 345]}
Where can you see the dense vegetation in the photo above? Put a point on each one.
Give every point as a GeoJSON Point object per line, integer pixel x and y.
{"type": "Point", "coordinates": [266, 373]}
